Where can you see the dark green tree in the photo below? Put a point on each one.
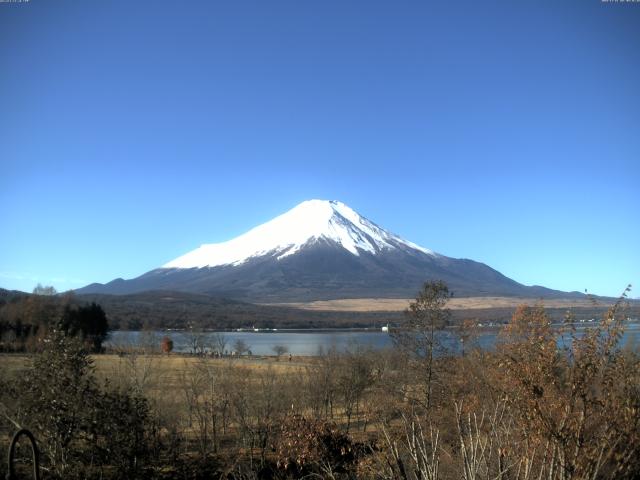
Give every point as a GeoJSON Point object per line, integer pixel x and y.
{"type": "Point", "coordinates": [88, 322]}
{"type": "Point", "coordinates": [58, 399]}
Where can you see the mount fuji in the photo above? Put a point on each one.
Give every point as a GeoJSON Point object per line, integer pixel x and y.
{"type": "Point", "coordinates": [319, 250]}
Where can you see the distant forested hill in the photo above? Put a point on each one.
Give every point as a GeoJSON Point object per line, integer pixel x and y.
{"type": "Point", "coordinates": [160, 310]}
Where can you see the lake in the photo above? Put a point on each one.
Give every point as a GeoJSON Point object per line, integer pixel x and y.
{"type": "Point", "coordinates": [310, 342]}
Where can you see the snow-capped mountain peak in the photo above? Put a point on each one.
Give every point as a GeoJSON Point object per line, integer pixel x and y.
{"type": "Point", "coordinates": [308, 222]}
{"type": "Point", "coordinates": [319, 250]}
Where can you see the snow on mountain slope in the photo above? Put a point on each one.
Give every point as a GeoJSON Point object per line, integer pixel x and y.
{"type": "Point", "coordinates": [285, 235]}
{"type": "Point", "coordinates": [319, 250]}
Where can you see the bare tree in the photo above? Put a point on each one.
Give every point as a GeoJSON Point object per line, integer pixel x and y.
{"type": "Point", "coordinates": [240, 346]}
{"type": "Point", "coordinates": [417, 335]}
{"type": "Point", "coordinates": [322, 383]}
{"type": "Point", "coordinates": [44, 290]}
{"type": "Point", "coordinates": [467, 332]}
{"type": "Point", "coordinates": [259, 402]}
{"type": "Point", "coordinates": [354, 376]}
{"type": "Point", "coordinates": [411, 454]}
{"type": "Point", "coordinates": [218, 342]}
{"type": "Point", "coordinates": [148, 342]}
{"type": "Point", "coordinates": [196, 340]}
{"type": "Point", "coordinates": [280, 350]}
{"type": "Point", "coordinates": [136, 367]}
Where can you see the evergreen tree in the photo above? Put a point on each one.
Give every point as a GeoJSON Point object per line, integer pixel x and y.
{"type": "Point", "coordinates": [88, 322]}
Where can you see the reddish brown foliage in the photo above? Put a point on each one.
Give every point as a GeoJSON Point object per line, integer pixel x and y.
{"type": "Point", "coordinates": [311, 445]}
{"type": "Point", "coordinates": [166, 345]}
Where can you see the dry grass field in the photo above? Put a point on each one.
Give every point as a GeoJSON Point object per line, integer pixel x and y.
{"type": "Point", "coordinates": [165, 369]}
{"type": "Point", "coordinates": [400, 304]}
{"type": "Point", "coordinates": [237, 416]}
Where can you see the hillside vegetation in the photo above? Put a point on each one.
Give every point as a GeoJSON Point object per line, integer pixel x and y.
{"type": "Point", "coordinates": [22, 316]}
{"type": "Point", "coordinates": [534, 408]}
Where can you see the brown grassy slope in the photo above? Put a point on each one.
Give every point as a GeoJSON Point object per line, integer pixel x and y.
{"type": "Point", "coordinates": [397, 304]}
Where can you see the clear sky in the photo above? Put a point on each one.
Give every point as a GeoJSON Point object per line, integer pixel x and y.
{"type": "Point", "coordinates": [507, 132]}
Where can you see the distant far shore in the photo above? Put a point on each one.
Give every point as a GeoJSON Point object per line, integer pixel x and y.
{"type": "Point", "coordinates": [466, 303]}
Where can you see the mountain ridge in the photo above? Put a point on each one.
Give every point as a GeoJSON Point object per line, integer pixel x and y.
{"type": "Point", "coordinates": [320, 250]}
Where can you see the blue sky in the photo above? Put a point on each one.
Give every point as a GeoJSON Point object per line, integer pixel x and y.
{"type": "Point", "coordinates": [506, 132]}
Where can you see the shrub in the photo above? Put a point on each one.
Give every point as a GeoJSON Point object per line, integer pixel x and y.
{"type": "Point", "coordinates": [166, 345]}
{"type": "Point", "coordinates": [79, 427]}
{"type": "Point", "coordinates": [313, 446]}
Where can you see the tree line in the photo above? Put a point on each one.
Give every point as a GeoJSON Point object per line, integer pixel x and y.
{"type": "Point", "coordinates": [26, 319]}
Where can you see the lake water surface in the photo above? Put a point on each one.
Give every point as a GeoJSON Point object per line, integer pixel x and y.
{"type": "Point", "coordinates": [311, 342]}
